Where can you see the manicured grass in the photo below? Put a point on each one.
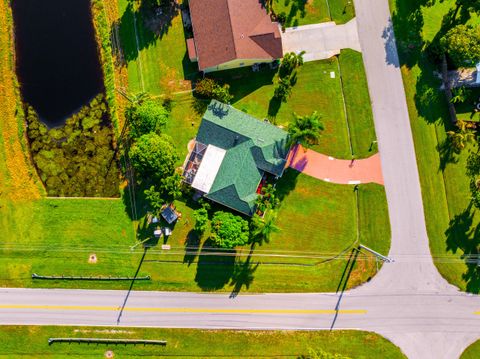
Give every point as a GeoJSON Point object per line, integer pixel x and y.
{"type": "Point", "coordinates": [304, 12]}
{"type": "Point", "coordinates": [472, 352]}
{"type": "Point", "coordinates": [184, 122]}
{"type": "Point", "coordinates": [159, 62]}
{"type": "Point", "coordinates": [315, 90]}
{"type": "Point", "coordinates": [21, 341]}
{"type": "Point", "coordinates": [451, 222]}
{"type": "Point", "coordinates": [357, 102]}
{"type": "Point", "coordinates": [56, 237]}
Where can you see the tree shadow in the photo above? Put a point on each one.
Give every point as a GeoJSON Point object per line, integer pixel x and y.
{"type": "Point", "coordinates": [192, 246]}
{"type": "Point", "coordinates": [461, 236]}
{"type": "Point", "coordinates": [459, 229]}
{"type": "Point", "coordinates": [199, 106]}
{"type": "Point", "coordinates": [243, 81]}
{"type": "Point", "coordinates": [215, 267]}
{"type": "Point", "coordinates": [139, 28]}
{"type": "Point", "coordinates": [430, 101]}
{"type": "Point", "coordinates": [158, 18]}
{"type": "Point", "coordinates": [243, 274]}
{"type": "Point", "coordinates": [133, 198]}
{"type": "Point", "coordinates": [408, 26]}
{"type": "Point", "coordinates": [286, 183]}
{"type": "Point", "coordinates": [298, 6]}
{"type": "Point", "coordinates": [390, 47]}
{"type": "Point", "coordinates": [274, 107]}
{"type": "Point", "coordinates": [447, 154]}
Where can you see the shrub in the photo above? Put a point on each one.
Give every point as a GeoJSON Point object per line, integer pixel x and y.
{"type": "Point", "coordinates": [210, 89]}
{"type": "Point", "coordinates": [153, 156]}
{"type": "Point", "coordinates": [145, 117]}
{"type": "Point", "coordinates": [462, 44]}
{"type": "Point", "coordinates": [228, 230]}
{"type": "Point", "coordinates": [201, 220]}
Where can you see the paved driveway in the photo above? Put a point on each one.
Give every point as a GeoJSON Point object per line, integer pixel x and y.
{"type": "Point", "coordinates": [321, 41]}
{"type": "Point", "coordinates": [327, 168]}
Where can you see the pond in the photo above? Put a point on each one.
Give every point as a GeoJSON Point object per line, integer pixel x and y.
{"type": "Point", "coordinates": [57, 62]}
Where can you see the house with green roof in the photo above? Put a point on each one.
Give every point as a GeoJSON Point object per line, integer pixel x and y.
{"type": "Point", "coordinates": [232, 152]}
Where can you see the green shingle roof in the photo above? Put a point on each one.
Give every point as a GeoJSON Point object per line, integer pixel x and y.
{"type": "Point", "coordinates": [252, 146]}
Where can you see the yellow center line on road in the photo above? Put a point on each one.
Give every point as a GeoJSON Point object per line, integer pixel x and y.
{"type": "Point", "coordinates": [185, 310]}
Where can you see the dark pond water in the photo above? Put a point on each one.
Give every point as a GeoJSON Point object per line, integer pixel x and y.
{"type": "Point", "coordinates": [56, 56]}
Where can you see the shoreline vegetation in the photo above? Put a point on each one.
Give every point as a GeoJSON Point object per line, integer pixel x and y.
{"type": "Point", "coordinates": [17, 172]}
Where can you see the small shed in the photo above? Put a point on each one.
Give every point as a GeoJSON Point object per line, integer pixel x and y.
{"type": "Point", "coordinates": [169, 215]}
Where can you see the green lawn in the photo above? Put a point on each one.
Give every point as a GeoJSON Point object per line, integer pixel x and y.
{"type": "Point", "coordinates": [315, 90]}
{"type": "Point", "coordinates": [56, 237]}
{"type": "Point", "coordinates": [159, 63]}
{"type": "Point", "coordinates": [451, 222]}
{"type": "Point", "coordinates": [304, 12]}
{"type": "Point", "coordinates": [472, 352]}
{"type": "Point", "coordinates": [32, 341]}
{"type": "Point", "coordinates": [357, 102]}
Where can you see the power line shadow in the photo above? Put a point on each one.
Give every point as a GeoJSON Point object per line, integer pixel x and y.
{"type": "Point", "coordinates": [131, 285]}
{"type": "Point", "coordinates": [344, 280]}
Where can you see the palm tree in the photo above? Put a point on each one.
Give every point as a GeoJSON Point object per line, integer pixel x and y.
{"type": "Point", "coordinates": [461, 137]}
{"type": "Point", "coordinates": [264, 227]}
{"type": "Point", "coordinates": [305, 130]}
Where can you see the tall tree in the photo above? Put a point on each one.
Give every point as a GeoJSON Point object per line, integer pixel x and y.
{"type": "Point", "coordinates": [153, 156]}
{"type": "Point", "coordinates": [305, 130]}
{"type": "Point", "coordinates": [229, 230]}
{"type": "Point", "coordinates": [263, 228]}
{"type": "Point", "coordinates": [462, 44]}
{"type": "Point", "coordinates": [145, 116]}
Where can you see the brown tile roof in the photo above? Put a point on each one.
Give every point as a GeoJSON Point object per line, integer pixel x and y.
{"type": "Point", "coordinates": [225, 30]}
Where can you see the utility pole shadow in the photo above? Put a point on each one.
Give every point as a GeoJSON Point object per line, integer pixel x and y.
{"type": "Point", "coordinates": [131, 285]}
{"type": "Point", "coordinates": [344, 280]}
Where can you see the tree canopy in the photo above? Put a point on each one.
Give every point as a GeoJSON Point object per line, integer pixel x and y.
{"type": "Point", "coordinates": [154, 156]}
{"type": "Point", "coordinates": [145, 117]}
{"type": "Point", "coordinates": [229, 230]}
{"type": "Point", "coordinates": [462, 44]}
{"type": "Point", "coordinates": [305, 130]}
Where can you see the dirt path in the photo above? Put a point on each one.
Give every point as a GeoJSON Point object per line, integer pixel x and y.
{"type": "Point", "coordinates": [336, 171]}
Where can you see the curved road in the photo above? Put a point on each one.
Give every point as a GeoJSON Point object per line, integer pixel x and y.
{"type": "Point", "coordinates": [407, 302]}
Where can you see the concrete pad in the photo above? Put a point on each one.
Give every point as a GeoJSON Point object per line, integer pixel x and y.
{"type": "Point", "coordinates": [321, 41]}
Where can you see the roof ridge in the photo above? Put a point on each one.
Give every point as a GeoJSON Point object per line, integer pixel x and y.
{"type": "Point", "coordinates": [231, 28]}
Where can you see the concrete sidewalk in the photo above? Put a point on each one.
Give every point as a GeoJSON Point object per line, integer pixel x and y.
{"type": "Point", "coordinates": [321, 41]}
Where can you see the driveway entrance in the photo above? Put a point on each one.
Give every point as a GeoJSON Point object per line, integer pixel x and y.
{"type": "Point", "coordinates": [321, 41]}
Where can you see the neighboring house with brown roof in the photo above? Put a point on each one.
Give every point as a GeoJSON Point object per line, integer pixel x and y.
{"type": "Point", "coordinates": [232, 33]}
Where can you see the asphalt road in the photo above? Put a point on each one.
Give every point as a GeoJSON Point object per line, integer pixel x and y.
{"type": "Point", "coordinates": [407, 302]}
